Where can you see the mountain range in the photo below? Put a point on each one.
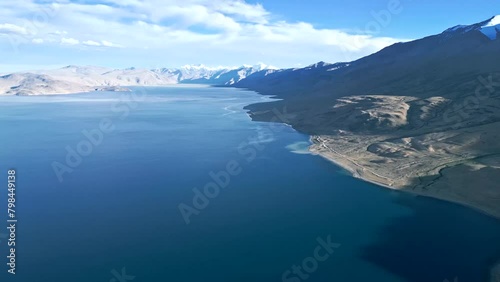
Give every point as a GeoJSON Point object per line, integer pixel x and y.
{"type": "Point", "coordinates": [73, 79]}
{"type": "Point", "coordinates": [420, 116]}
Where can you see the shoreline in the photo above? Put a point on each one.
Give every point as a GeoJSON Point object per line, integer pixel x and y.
{"type": "Point", "coordinates": [421, 163]}
{"type": "Point", "coordinates": [115, 88]}
{"type": "Point", "coordinates": [370, 177]}
{"type": "Point", "coordinates": [349, 166]}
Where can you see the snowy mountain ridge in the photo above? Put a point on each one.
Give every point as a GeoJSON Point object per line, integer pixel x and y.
{"type": "Point", "coordinates": [73, 79]}
{"type": "Point", "coordinates": [489, 28]}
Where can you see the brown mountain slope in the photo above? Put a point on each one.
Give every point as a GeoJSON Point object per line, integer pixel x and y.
{"type": "Point", "coordinates": [422, 116]}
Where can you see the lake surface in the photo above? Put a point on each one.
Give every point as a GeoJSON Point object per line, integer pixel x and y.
{"type": "Point", "coordinates": [113, 212]}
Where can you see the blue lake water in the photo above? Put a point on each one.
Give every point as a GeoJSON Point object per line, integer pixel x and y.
{"type": "Point", "coordinates": [116, 211]}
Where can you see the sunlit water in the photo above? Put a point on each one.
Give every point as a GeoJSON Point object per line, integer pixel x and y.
{"type": "Point", "coordinates": [117, 207]}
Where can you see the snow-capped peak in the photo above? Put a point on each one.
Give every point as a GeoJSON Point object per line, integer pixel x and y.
{"type": "Point", "coordinates": [318, 65]}
{"type": "Point", "coordinates": [202, 67]}
{"type": "Point", "coordinates": [259, 67]}
{"type": "Point", "coordinates": [494, 21]}
{"type": "Point", "coordinates": [490, 28]}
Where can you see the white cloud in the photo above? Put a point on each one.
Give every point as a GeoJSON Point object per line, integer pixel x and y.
{"type": "Point", "coordinates": [251, 13]}
{"type": "Point", "coordinates": [69, 41]}
{"type": "Point", "coordinates": [8, 28]}
{"type": "Point", "coordinates": [91, 43]}
{"type": "Point", "coordinates": [58, 32]}
{"type": "Point", "coordinates": [226, 31]}
{"type": "Point", "coordinates": [110, 44]}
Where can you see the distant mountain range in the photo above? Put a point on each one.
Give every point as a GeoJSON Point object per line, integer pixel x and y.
{"type": "Point", "coordinates": [74, 79]}
{"type": "Point", "coordinates": [457, 50]}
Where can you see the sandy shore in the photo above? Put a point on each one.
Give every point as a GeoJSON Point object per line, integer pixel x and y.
{"type": "Point", "coordinates": [403, 143]}
{"type": "Point", "coordinates": [354, 164]}
{"type": "Point", "coordinates": [384, 174]}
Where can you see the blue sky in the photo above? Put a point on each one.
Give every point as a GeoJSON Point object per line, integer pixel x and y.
{"type": "Point", "coordinates": [37, 34]}
{"type": "Point", "coordinates": [419, 18]}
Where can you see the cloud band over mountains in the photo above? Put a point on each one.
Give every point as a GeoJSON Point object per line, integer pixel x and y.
{"type": "Point", "coordinates": [218, 32]}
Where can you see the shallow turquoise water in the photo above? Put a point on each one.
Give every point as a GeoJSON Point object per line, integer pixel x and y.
{"type": "Point", "coordinates": [119, 206]}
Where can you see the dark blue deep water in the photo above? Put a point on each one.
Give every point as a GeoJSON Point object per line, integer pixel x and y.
{"type": "Point", "coordinates": [115, 216]}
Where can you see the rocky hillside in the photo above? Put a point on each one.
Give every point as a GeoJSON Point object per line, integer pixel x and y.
{"type": "Point", "coordinates": [422, 116]}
